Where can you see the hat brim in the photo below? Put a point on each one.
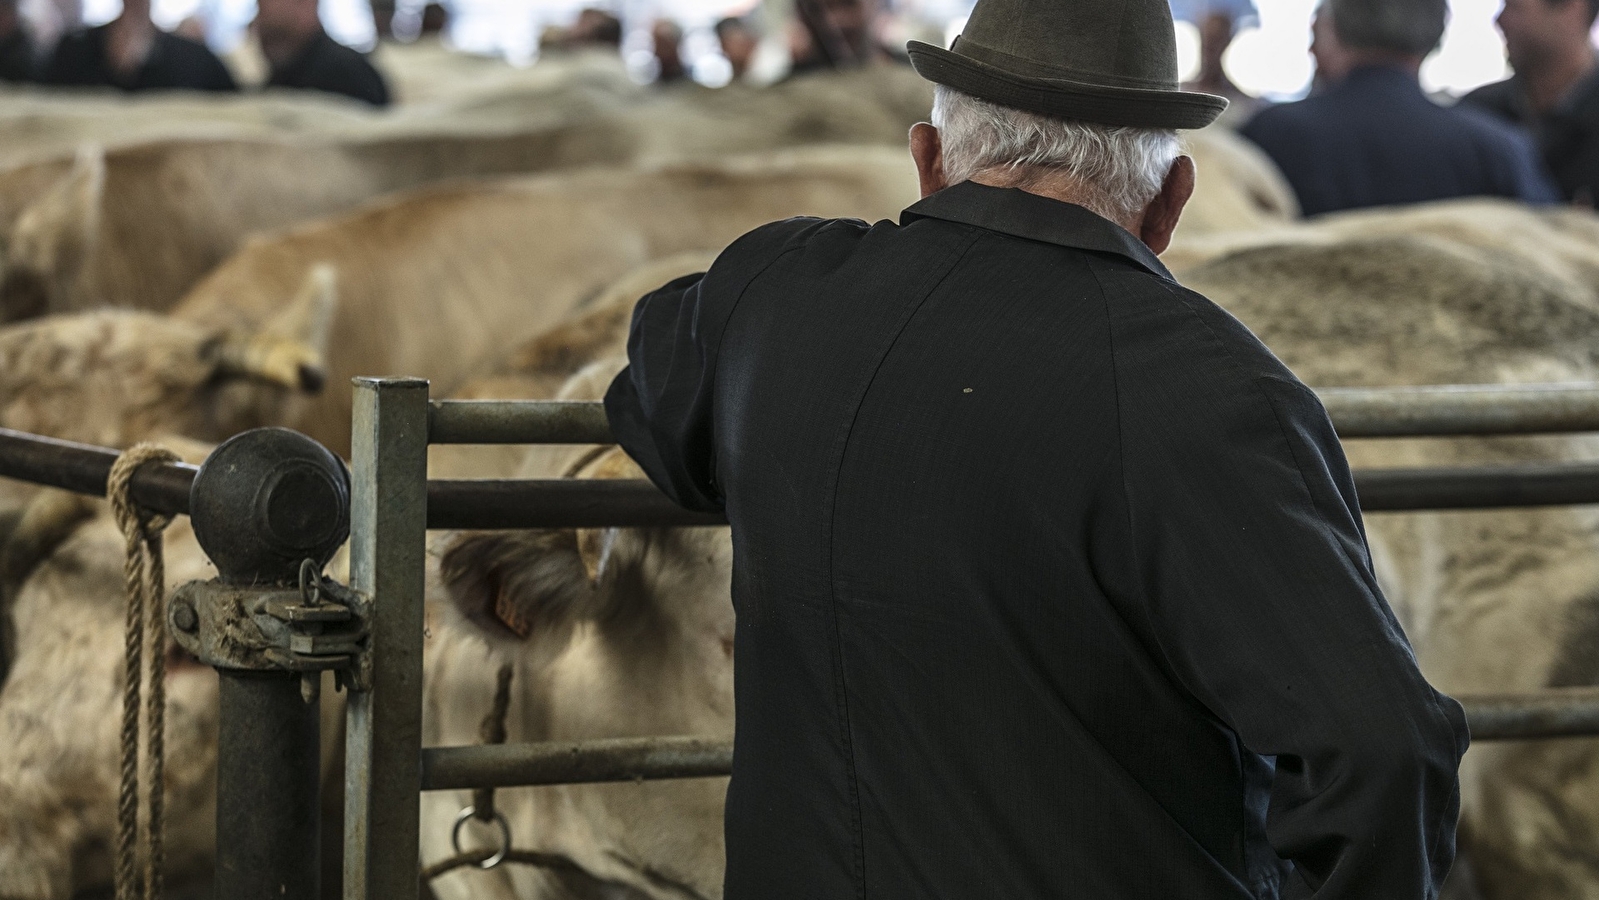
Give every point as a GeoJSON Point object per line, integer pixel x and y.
{"type": "Point", "coordinates": [1064, 98]}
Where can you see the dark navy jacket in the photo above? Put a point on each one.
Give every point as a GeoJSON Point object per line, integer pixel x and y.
{"type": "Point", "coordinates": [1050, 579]}
{"type": "Point", "coordinates": [174, 62]}
{"type": "Point", "coordinates": [324, 64]}
{"type": "Point", "coordinates": [1375, 139]}
{"type": "Point", "coordinates": [1568, 135]}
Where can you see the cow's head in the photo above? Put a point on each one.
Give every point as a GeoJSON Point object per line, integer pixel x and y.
{"type": "Point", "coordinates": [49, 243]}
{"type": "Point", "coordinates": [114, 377]}
{"type": "Point", "coordinates": [613, 633]}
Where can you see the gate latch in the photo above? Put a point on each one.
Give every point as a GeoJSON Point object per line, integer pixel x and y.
{"type": "Point", "coordinates": [317, 627]}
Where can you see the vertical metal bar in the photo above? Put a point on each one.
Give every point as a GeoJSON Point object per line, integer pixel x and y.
{"type": "Point", "coordinates": [268, 837]}
{"type": "Point", "coordinates": [382, 775]}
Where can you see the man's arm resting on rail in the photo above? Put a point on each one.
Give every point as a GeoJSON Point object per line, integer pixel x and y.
{"type": "Point", "coordinates": [660, 405]}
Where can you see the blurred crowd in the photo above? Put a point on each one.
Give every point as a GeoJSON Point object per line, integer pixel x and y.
{"type": "Point", "coordinates": [1367, 135]}
{"type": "Point", "coordinates": [132, 53]}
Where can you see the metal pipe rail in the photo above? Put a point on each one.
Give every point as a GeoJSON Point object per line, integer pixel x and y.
{"type": "Point", "coordinates": [1551, 713]}
{"type": "Point", "coordinates": [1460, 410]}
{"type": "Point", "coordinates": [564, 503]}
{"type": "Point", "coordinates": [1427, 411]}
{"type": "Point", "coordinates": [83, 469]}
{"type": "Point", "coordinates": [579, 762]}
{"type": "Point", "coordinates": [1555, 713]}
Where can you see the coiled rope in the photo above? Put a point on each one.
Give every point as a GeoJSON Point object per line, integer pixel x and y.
{"type": "Point", "coordinates": [144, 571]}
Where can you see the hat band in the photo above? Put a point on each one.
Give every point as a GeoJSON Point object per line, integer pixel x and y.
{"type": "Point", "coordinates": [1028, 68]}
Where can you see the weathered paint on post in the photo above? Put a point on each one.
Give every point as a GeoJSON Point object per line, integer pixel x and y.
{"type": "Point", "coordinates": [382, 775]}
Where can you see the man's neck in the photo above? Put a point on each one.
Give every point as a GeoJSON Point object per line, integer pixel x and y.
{"type": "Point", "coordinates": [1056, 186]}
{"type": "Point", "coordinates": [1548, 81]}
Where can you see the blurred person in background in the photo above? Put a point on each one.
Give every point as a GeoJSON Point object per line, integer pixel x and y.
{"type": "Point", "coordinates": [667, 39]}
{"type": "Point", "coordinates": [593, 28]}
{"type": "Point", "coordinates": [739, 43]}
{"type": "Point", "coordinates": [131, 53]}
{"type": "Point", "coordinates": [303, 57]}
{"type": "Point", "coordinates": [1555, 91]}
{"type": "Point", "coordinates": [1374, 138]}
{"type": "Point", "coordinates": [1218, 21]}
{"type": "Point", "coordinates": [1332, 59]}
{"type": "Point", "coordinates": [16, 47]}
{"type": "Point", "coordinates": [838, 34]}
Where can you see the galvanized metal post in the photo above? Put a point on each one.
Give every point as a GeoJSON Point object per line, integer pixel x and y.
{"type": "Point", "coordinates": [388, 530]}
{"type": "Point", "coordinates": [263, 504]}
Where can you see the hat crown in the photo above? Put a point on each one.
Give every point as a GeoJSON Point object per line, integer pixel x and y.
{"type": "Point", "coordinates": [1124, 43]}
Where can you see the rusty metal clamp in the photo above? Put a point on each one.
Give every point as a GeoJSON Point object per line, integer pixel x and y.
{"type": "Point", "coordinates": [314, 627]}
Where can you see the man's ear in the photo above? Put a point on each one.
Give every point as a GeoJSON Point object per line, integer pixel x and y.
{"type": "Point", "coordinates": [1160, 217]}
{"type": "Point", "coordinates": [927, 149]}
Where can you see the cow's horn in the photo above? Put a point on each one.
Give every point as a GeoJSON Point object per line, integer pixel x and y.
{"type": "Point", "coordinates": [291, 350]}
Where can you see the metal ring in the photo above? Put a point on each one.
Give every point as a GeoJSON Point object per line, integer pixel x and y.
{"type": "Point", "coordinates": [505, 836]}
{"type": "Point", "coordinates": [310, 582]}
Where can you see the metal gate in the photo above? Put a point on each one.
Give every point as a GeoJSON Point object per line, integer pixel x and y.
{"type": "Point", "coordinates": [392, 504]}
{"type": "Point", "coordinates": [395, 421]}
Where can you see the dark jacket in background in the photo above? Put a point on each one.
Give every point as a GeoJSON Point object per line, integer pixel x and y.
{"type": "Point", "coordinates": [1375, 139]}
{"type": "Point", "coordinates": [16, 57]}
{"type": "Point", "coordinates": [174, 62]}
{"type": "Point", "coordinates": [1568, 136]}
{"type": "Point", "coordinates": [1050, 578]}
{"type": "Point", "coordinates": [327, 65]}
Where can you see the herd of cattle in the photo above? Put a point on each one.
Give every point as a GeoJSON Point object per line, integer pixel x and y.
{"type": "Point", "coordinates": [181, 269]}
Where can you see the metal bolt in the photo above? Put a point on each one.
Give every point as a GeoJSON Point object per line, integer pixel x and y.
{"type": "Point", "coordinates": [184, 617]}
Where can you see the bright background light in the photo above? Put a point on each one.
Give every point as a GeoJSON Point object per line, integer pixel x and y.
{"type": "Point", "coordinates": [1268, 59]}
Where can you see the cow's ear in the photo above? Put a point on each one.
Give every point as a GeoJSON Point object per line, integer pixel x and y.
{"type": "Point", "coordinates": [516, 584]}
{"type": "Point", "coordinates": [52, 239]}
{"type": "Point", "coordinates": [291, 349]}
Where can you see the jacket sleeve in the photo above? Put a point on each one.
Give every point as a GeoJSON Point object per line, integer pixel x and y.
{"type": "Point", "coordinates": [660, 406]}
{"type": "Point", "coordinates": [1252, 576]}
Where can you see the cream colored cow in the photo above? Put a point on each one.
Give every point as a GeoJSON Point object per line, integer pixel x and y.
{"type": "Point", "coordinates": [439, 283]}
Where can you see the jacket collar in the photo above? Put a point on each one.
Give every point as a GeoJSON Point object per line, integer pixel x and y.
{"type": "Point", "coordinates": [1036, 218]}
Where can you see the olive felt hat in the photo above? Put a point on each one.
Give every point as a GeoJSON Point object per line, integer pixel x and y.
{"type": "Point", "coordinates": [1110, 62]}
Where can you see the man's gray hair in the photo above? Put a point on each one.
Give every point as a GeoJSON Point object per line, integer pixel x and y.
{"type": "Point", "coordinates": [1411, 27]}
{"type": "Point", "coordinates": [1119, 169]}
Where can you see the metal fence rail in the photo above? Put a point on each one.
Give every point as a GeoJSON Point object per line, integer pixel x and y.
{"type": "Point", "coordinates": [393, 504]}
{"type": "Point", "coordinates": [1430, 411]}
{"type": "Point", "coordinates": [1554, 713]}
{"type": "Point", "coordinates": [1457, 410]}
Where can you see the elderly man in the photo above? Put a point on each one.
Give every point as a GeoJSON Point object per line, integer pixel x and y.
{"type": "Point", "coordinates": [1374, 138]}
{"type": "Point", "coordinates": [303, 57]}
{"type": "Point", "coordinates": [1555, 91]}
{"type": "Point", "coordinates": [1050, 578]}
